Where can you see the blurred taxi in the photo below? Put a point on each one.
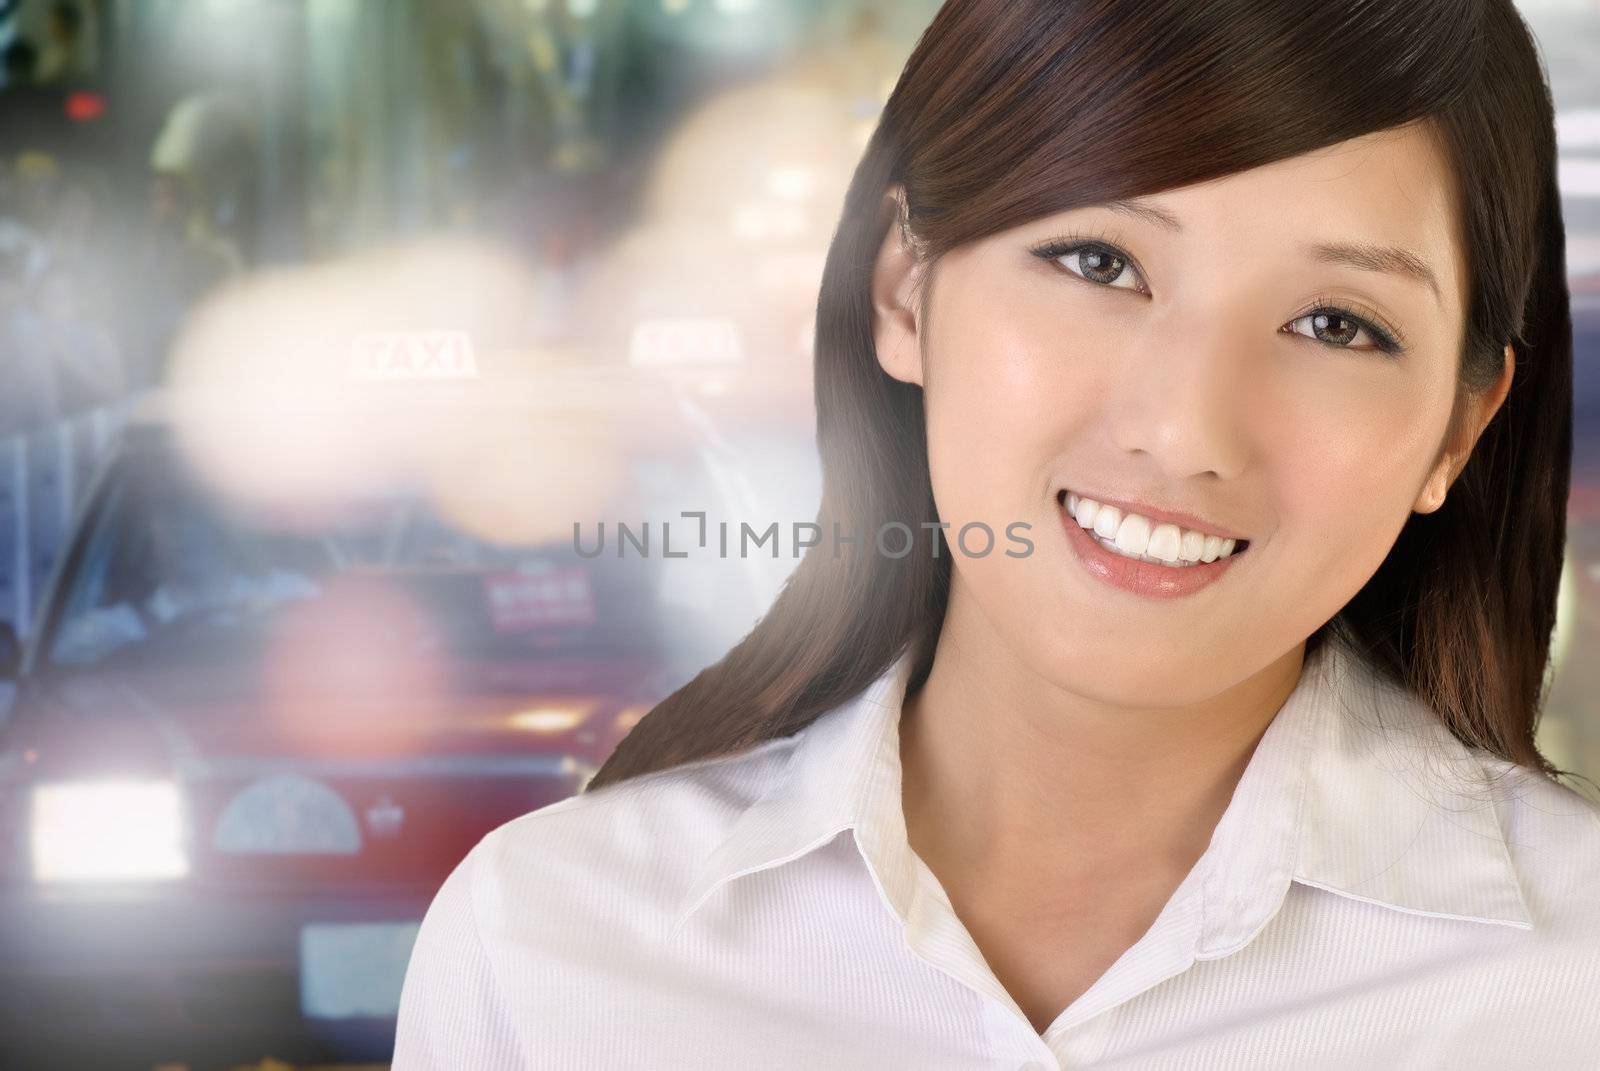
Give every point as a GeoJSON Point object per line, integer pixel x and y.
{"type": "Point", "coordinates": [248, 743]}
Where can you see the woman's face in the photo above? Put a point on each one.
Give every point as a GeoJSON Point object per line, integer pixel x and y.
{"type": "Point", "coordinates": [1190, 366]}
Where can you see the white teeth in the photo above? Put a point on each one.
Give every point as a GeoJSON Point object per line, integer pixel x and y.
{"type": "Point", "coordinates": [1135, 536]}
{"type": "Point", "coordinates": [1165, 542]}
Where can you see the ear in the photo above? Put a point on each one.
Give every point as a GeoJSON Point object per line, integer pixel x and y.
{"type": "Point", "coordinates": [894, 317]}
{"type": "Point", "coordinates": [1484, 406]}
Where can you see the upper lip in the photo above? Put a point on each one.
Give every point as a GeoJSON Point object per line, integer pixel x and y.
{"type": "Point", "coordinates": [1160, 516]}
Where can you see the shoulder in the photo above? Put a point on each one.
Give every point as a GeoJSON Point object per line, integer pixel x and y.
{"type": "Point", "coordinates": [624, 854]}
{"type": "Point", "coordinates": [1552, 833]}
{"type": "Point", "coordinates": [545, 913]}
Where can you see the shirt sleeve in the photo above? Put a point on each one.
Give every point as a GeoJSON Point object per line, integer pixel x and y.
{"type": "Point", "coordinates": [453, 1011]}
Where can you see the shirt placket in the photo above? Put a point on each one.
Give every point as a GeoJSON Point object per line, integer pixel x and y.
{"type": "Point", "coordinates": [1082, 1032]}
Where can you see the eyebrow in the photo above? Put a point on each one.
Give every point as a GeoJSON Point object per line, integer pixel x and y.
{"type": "Point", "coordinates": [1147, 212]}
{"type": "Point", "coordinates": [1381, 258]}
{"type": "Point", "coordinates": [1364, 256]}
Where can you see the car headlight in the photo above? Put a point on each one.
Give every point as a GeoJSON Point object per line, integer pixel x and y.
{"type": "Point", "coordinates": [108, 831]}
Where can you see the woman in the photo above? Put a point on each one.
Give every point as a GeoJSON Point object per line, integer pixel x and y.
{"type": "Point", "coordinates": [1250, 320]}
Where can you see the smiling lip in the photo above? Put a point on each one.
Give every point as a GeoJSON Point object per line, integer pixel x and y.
{"type": "Point", "coordinates": [1140, 577]}
{"type": "Point", "coordinates": [1158, 516]}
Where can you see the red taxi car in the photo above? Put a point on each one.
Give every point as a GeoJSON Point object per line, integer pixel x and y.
{"type": "Point", "coordinates": [241, 759]}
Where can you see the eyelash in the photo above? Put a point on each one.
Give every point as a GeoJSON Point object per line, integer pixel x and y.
{"type": "Point", "coordinates": [1388, 340]}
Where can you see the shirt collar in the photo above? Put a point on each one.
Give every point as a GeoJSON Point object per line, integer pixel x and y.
{"type": "Point", "coordinates": [1356, 787]}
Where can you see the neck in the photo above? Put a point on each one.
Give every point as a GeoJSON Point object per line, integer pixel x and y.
{"type": "Point", "coordinates": [1010, 774]}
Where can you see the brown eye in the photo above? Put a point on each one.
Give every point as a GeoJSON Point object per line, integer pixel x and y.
{"type": "Point", "coordinates": [1331, 327]}
{"type": "Point", "coordinates": [1094, 262]}
{"type": "Point", "coordinates": [1339, 329]}
{"type": "Point", "coordinates": [1098, 264]}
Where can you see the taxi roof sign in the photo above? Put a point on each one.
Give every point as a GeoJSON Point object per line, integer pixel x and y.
{"type": "Point", "coordinates": [412, 355]}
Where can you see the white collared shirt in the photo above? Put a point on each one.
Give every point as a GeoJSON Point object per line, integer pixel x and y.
{"type": "Point", "coordinates": [1367, 900]}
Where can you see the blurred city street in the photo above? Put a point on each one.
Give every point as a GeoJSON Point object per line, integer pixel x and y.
{"type": "Point", "coordinates": [332, 331]}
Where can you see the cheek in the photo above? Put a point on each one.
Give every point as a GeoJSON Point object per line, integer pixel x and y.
{"type": "Point", "coordinates": [1355, 452]}
{"type": "Point", "coordinates": [1009, 386]}
{"type": "Point", "coordinates": [1326, 535]}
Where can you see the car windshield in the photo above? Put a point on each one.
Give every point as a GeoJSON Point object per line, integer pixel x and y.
{"type": "Point", "coordinates": [167, 575]}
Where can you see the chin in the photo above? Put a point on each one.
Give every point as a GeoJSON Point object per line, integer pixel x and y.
{"type": "Point", "coordinates": [1112, 670]}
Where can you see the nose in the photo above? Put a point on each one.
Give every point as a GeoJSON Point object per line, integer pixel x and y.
{"type": "Point", "coordinates": [1182, 398]}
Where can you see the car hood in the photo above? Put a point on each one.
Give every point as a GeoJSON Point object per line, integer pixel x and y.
{"type": "Point", "coordinates": [150, 720]}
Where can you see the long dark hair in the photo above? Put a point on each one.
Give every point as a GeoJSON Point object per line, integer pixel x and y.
{"type": "Point", "coordinates": [1011, 110]}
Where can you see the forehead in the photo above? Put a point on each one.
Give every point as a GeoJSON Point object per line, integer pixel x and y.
{"type": "Point", "coordinates": [1391, 188]}
{"type": "Point", "coordinates": [1384, 178]}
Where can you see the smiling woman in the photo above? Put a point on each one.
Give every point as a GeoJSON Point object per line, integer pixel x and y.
{"type": "Point", "coordinates": [1254, 315]}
